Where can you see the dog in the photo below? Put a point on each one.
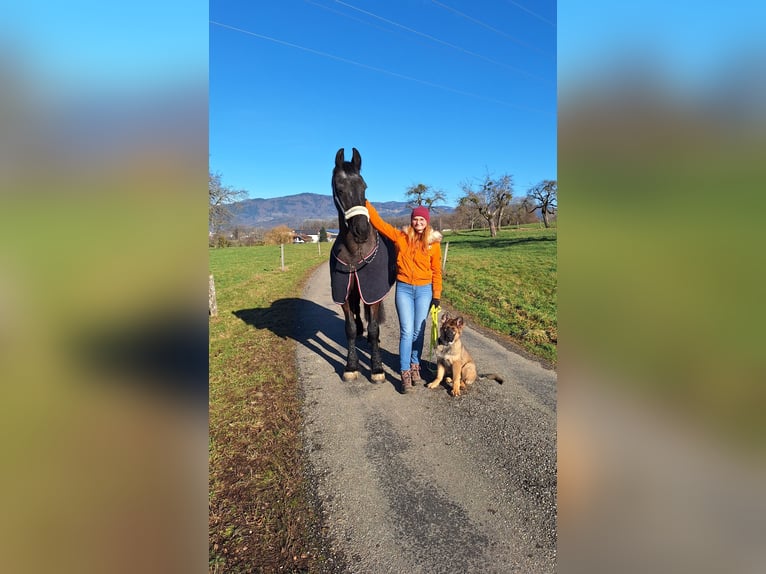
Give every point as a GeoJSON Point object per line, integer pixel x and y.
{"type": "Point", "coordinates": [453, 357]}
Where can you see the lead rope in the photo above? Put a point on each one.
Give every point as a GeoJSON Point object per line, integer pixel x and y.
{"type": "Point", "coordinates": [434, 332]}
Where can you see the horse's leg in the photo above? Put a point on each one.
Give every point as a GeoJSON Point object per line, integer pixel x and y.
{"type": "Point", "coordinates": [373, 338]}
{"type": "Point", "coordinates": [351, 314]}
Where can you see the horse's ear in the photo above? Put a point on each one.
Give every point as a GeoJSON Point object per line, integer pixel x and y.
{"type": "Point", "coordinates": [340, 158]}
{"type": "Point", "coordinates": [356, 160]}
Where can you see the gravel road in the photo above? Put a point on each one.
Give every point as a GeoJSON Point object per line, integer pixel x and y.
{"type": "Point", "coordinates": [424, 482]}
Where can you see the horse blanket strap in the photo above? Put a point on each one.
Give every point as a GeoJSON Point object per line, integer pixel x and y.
{"type": "Point", "coordinates": [374, 274]}
{"type": "Point", "coordinates": [345, 267]}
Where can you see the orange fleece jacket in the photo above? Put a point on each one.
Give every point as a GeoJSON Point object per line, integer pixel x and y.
{"type": "Point", "coordinates": [413, 266]}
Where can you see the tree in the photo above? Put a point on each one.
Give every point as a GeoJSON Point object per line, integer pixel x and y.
{"type": "Point", "coordinates": [279, 235]}
{"type": "Point", "coordinates": [518, 213]}
{"type": "Point", "coordinates": [464, 217]}
{"type": "Point", "coordinates": [544, 196]}
{"type": "Point", "coordinates": [323, 235]}
{"type": "Point", "coordinates": [311, 224]}
{"type": "Point", "coordinates": [422, 194]}
{"type": "Point", "coordinates": [221, 197]}
{"type": "Point", "coordinates": [490, 199]}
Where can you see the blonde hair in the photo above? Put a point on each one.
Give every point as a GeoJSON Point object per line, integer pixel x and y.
{"type": "Point", "coordinates": [418, 241]}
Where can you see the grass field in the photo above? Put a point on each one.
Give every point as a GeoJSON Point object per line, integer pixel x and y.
{"type": "Point", "coordinates": [506, 283]}
{"type": "Point", "coordinates": [260, 519]}
{"type": "Point", "coordinates": [261, 516]}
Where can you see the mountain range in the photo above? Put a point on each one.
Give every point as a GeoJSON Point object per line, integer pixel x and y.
{"type": "Point", "coordinates": [295, 210]}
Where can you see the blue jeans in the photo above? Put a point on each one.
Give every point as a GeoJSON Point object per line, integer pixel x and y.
{"type": "Point", "coordinates": [412, 304]}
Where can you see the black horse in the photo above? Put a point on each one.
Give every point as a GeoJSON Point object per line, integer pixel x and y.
{"type": "Point", "coordinates": [360, 265]}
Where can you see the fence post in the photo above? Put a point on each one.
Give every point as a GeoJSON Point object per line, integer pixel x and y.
{"type": "Point", "coordinates": [212, 305]}
{"type": "Point", "coordinates": [282, 255]}
{"type": "Point", "coordinates": [444, 259]}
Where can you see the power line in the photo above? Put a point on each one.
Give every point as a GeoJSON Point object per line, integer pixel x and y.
{"type": "Point", "coordinates": [345, 15]}
{"type": "Point", "coordinates": [438, 40]}
{"type": "Point", "coordinates": [374, 68]}
{"type": "Point", "coordinates": [533, 13]}
{"type": "Point", "coordinates": [488, 27]}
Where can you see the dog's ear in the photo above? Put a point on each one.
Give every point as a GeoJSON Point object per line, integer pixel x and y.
{"type": "Point", "coordinates": [459, 322]}
{"type": "Point", "coordinates": [445, 318]}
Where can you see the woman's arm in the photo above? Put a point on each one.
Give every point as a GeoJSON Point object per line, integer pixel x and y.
{"type": "Point", "coordinates": [436, 269]}
{"type": "Point", "coordinates": [385, 228]}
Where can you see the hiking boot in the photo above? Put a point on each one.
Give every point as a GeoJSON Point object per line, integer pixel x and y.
{"type": "Point", "coordinates": [415, 370]}
{"type": "Point", "coordinates": [406, 381]}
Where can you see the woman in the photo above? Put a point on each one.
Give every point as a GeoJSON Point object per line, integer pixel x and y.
{"type": "Point", "coordinates": [418, 284]}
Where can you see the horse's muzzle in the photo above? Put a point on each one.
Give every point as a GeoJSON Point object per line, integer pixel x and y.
{"type": "Point", "coordinates": [360, 229]}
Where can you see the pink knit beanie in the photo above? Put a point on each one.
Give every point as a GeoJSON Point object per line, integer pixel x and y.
{"type": "Point", "coordinates": [421, 211]}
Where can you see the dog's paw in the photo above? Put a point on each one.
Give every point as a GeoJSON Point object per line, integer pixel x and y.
{"type": "Point", "coordinates": [457, 387]}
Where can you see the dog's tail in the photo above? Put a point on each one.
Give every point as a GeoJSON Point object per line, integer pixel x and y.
{"type": "Point", "coordinates": [493, 376]}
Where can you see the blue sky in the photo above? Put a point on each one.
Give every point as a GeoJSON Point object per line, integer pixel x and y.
{"type": "Point", "coordinates": [87, 47]}
{"type": "Point", "coordinates": [429, 92]}
{"type": "Point", "coordinates": [689, 43]}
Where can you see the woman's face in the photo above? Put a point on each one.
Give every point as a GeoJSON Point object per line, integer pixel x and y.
{"type": "Point", "coordinates": [419, 223]}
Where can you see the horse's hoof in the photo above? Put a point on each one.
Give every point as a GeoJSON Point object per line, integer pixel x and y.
{"type": "Point", "coordinates": [350, 375]}
{"type": "Point", "coordinates": [378, 377]}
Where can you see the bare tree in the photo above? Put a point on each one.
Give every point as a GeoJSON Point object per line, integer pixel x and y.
{"type": "Point", "coordinates": [221, 197]}
{"type": "Point", "coordinates": [422, 194]}
{"type": "Point", "coordinates": [544, 196]}
{"type": "Point", "coordinates": [464, 217]}
{"type": "Point", "coordinates": [519, 213]}
{"type": "Point", "coordinates": [312, 225]}
{"type": "Point", "coordinates": [255, 236]}
{"type": "Point", "coordinates": [490, 199]}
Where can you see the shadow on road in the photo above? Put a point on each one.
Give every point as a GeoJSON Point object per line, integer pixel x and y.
{"type": "Point", "coordinates": [315, 327]}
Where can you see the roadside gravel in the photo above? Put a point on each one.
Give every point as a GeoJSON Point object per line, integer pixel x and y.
{"type": "Point", "coordinates": [424, 482]}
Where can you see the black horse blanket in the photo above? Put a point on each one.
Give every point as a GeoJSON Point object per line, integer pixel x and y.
{"type": "Point", "coordinates": [375, 272]}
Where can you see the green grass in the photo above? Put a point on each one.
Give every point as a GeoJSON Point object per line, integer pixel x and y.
{"type": "Point", "coordinates": [261, 517]}
{"type": "Point", "coordinates": [506, 283]}
{"type": "Point", "coordinates": [662, 279]}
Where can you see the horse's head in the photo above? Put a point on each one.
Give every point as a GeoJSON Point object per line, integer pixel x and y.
{"type": "Point", "coordinates": [348, 189]}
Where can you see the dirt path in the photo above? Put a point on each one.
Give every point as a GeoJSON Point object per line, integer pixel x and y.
{"type": "Point", "coordinates": [427, 483]}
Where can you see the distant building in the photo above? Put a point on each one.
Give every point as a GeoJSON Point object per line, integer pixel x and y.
{"type": "Point", "coordinates": [300, 236]}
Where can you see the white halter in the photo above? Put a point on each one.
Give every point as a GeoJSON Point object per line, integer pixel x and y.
{"type": "Point", "coordinates": [357, 210]}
